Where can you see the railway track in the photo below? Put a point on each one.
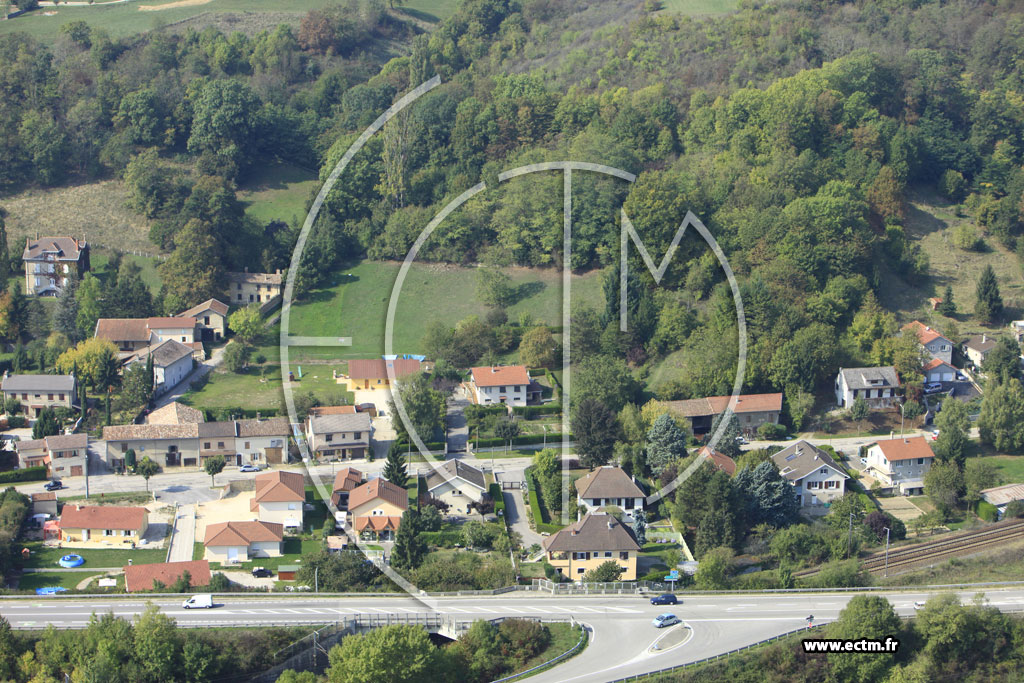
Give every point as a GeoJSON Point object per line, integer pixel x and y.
{"type": "Point", "coordinates": [951, 545]}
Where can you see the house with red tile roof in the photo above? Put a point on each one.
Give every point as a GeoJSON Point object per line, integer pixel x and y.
{"type": "Point", "coordinates": [901, 463]}
{"type": "Point", "coordinates": [720, 461]}
{"type": "Point", "coordinates": [933, 342]}
{"type": "Point", "coordinates": [938, 370]}
{"type": "Point", "coordinates": [279, 498]}
{"type": "Point", "coordinates": [368, 374]}
{"type": "Point", "coordinates": [507, 384]}
{"type": "Point", "coordinates": [347, 479]}
{"type": "Point", "coordinates": [375, 509]}
{"type": "Point", "coordinates": [752, 411]}
{"type": "Point", "coordinates": [230, 542]}
{"type": "Point", "coordinates": [141, 577]}
{"type": "Point", "coordinates": [103, 524]}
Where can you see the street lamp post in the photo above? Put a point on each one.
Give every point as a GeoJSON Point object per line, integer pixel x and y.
{"type": "Point", "coordinates": [316, 579]}
{"type": "Point", "coordinates": [902, 406]}
{"type": "Point", "coordinates": [849, 542]}
{"type": "Point", "coordinates": [545, 428]}
{"type": "Point", "coordinates": [886, 551]}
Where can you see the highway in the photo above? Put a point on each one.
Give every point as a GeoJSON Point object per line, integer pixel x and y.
{"type": "Point", "coordinates": [621, 638]}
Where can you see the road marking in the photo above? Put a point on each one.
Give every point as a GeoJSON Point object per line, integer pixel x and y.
{"type": "Point", "coordinates": [538, 609]}
{"type": "Point", "coordinates": [590, 609]}
{"type": "Point", "coordinates": [624, 610]}
{"type": "Point", "coordinates": [517, 611]}
{"type": "Point", "coordinates": [457, 609]}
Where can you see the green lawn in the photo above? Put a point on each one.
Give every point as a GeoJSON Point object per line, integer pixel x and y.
{"type": "Point", "coordinates": [253, 391]}
{"type": "Point", "coordinates": [431, 11]}
{"type": "Point", "coordinates": [294, 548]}
{"type": "Point", "coordinates": [43, 557]}
{"type": "Point", "coordinates": [694, 7]}
{"type": "Point", "coordinates": [277, 192]}
{"type": "Point", "coordinates": [355, 305]}
{"type": "Point", "coordinates": [121, 498]}
{"type": "Point", "coordinates": [1009, 467]}
{"type": "Point", "coordinates": [67, 580]}
{"type": "Point", "coordinates": [98, 259]}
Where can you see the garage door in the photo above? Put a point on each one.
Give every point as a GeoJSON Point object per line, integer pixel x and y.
{"type": "Point", "coordinates": [947, 377]}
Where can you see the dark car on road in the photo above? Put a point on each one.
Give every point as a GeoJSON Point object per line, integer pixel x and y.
{"type": "Point", "coordinates": [665, 599]}
{"type": "Point", "coordinates": [54, 485]}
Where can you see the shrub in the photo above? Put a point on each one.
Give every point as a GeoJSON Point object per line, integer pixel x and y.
{"type": "Point", "coordinates": [987, 511]}
{"type": "Point", "coordinates": [966, 237]}
{"type": "Point", "coordinates": [442, 539]}
{"type": "Point", "coordinates": [16, 421]}
{"type": "Point", "coordinates": [27, 474]}
{"type": "Point", "coordinates": [770, 431]}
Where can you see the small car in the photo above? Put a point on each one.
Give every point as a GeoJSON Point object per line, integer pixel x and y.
{"type": "Point", "coordinates": [54, 485]}
{"type": "Point", "coordinates": [249, 468]}
{"type": "Point", "coordinates": [741, 440]}
{"type": "Point", "coordinates": [935, 434]}
{"type": "Point", "coordinates": [665, 599]}
{"type": "Point", "coordinates": [918, 604]}
{"type": "Point", "coordinates": [666, 619]}
{"type": "Point", "coordinates": [261, 572]}
{"type": "Point", "coordinates": [932, 387]}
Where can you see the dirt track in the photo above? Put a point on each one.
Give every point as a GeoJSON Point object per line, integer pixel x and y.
{"type": "Point", "coordinates": [172, 5]}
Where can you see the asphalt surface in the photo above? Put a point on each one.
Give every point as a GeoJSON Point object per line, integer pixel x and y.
{"type": "Point", "coordinates": [622, 633]}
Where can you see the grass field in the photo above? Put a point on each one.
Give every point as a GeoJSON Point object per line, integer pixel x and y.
{"type": "Point", "coordinates": [235, 390]}
{"type": "Point", "coordinates": [124, 19]}
{"type": "Point", "coordinates": [356, 305]}
{"type": "Point", "coordinates": [43, 557]}
{"type": "Point", "coordinates": [95, 211]}
{"type": "Point", "coordinates": [67, 580]}
{"type": "Point", "coordinates": [99, 258]}
{"type": "Point", "coordinates": [696, 7]}
{"type": "Point", "coordinates": [1009, 467]}
{"type": "Point", "coordinates": [930, 223]}
{"type": "Point", "coordinates": [278, 192]}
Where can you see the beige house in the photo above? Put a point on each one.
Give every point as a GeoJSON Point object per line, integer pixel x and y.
{"type": "Point", "coordinates": [33, 453]}
{"type": "Point", "coordinates": [752, 411]}
{"type": "Point", "coordinates": [610, 486]}
{"type": "Point", "coordinates": [51, 262]}
{"type": "Point", "coordinates": [216, 438]}
{"type": "Point", "coordinates": [103, 524]}
{"type": "Point", "coordinates": [508, 384]}
{"type": "Point", "coordinates": [341, 435]}
{"type": "Point", "coordinates": [901, 463]}
{"type": "Point", "coordinates": [231, 542]}
{"type": "Point", "coordinates": [589, 543]}
{"type": "Point", "coordinates": [978, 347]}
{"type": "Point", "coordinates": [458, 484]}
{"type": "Point", "coordinates": [168, 445]}
{"type": "Point", "coordinates": [36, 392]}
{"type": "Point", "coordinates": [262, 441]}
{"type": "Point", "coordinates": [375, 509]}
{"type": "Point", "coordinates": [69, 454]}
{"type": "Point", "coordinates": [815, 476]}
{"type": "Point", "coordinates": [211, 319]}
{"type": "Point", "coordinates": [366, 374]}
{"type": "Point", "coordinates": [279, 498]}
{"type": "Point", "coordinates": [247, 288]}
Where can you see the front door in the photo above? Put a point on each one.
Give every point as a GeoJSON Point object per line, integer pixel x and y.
{"type": "Point", "coordinates": [238, 457]}
{"type": "Point", "coordinates": [76, 470]}
{"type": "Point", "coordinates": [85, 534]}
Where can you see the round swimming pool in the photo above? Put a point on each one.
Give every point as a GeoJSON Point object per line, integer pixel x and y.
{"type": "Point", "coordinates": [71, 561]}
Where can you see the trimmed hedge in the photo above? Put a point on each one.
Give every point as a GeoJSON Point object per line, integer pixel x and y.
{"type": "Point", "coordinates": [530, 412]}
{"type": "Point", "coordinates": [27, 474]}
{"type": "Point", "coordinates": [521, 440]}
{"type": "Point", "coordinates": [442, 539]}
{"type": "Point", "coordinates": [541, 521]}
{"type": "Point", "coordinates": [987, 511]}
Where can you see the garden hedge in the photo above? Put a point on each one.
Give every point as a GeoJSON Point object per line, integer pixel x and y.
{"type": "Point", "coordinates": [27, 474]}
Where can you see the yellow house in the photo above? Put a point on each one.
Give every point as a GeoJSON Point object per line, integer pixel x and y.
{"type": "Point", "coordinates": [376, 508]}
{"type": "Point", "coordinates": [372, 373]}
{"type": "Point", "coordinates": [106, 524]}
{"type": "Point", "coordinates": [589, 543]}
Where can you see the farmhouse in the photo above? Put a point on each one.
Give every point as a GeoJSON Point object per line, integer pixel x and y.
{"type": "Point", "coordinates": [211, 319]}
{"type": "Point", "coordinates": [589, 543]}
{"type": "Point", "coordinates": [752, 411]}
{"type": "Point", "coordinates": [247, 288]}
{"type": "Point", "coordinates": [50, 263]}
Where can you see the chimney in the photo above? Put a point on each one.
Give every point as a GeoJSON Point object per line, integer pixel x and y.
{"type": "Point", "coordinates": [815, 456]}
{"type": "Point", "coordinates": [984, 338]}
{"type": "Point", "coordinates": [257, 416]}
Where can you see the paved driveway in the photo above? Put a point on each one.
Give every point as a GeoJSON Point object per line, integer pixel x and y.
{"type": "Point", "coordinates": [183, 540]}
{"type": "Point", "coordinates": [901, 508]}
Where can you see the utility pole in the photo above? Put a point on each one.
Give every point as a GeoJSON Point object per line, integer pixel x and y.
{"type": "Point", "coordinates": [886, 551]}
{"type": "Point", "coordinates": [849, 542]}
{"type": "Point", "coordinates": [902, 406]}
{"type": "Point", "coordinates": [316, 579]}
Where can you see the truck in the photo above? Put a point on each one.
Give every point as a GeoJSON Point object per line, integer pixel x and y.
{"type": "Point", "coordinates": [340, 519]}
{"type": "Point", "coordinates": [201, 601]}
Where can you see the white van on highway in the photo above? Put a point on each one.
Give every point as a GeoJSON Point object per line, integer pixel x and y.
{"type": "Point", "coordinates": [201, 601]}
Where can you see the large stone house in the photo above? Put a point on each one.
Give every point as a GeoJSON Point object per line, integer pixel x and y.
{"type": "Point", "coordinates": [369, 374]}
{"type": "Point", "coordinates": [458, 484]}
{"type": "Point", "coordinates": [934, 343]}
{"type": "Point", "coordinates": [134, 336]}
{"type": "Point", "coordinates": [375, 509]}
{"type": "Point", "coordinates": [901, 463]}
{"type": "Point", "coordinates": [507, 384]}
{"type": "Point", "coordinates": [752, 411]}
{"type": "Point", "coordinates": [589, 543]}
{"type": "Point", "coordinates": [338, 435]}
{"type": "Point", "coordinates": [279, 498]}
{"type": "Point", "coordinates": [875, 385]}
{"type": "Point", "coordinates": [51, 262]}
{"type": "Point", "coordinates": [36, 392]}
{"type": "Point", "coordinates": [816, 478]}
{"type": "Point", "coordinates": [211, 319]}
{"type": "Point", "coordinates": [231, 542]}
{"type": "Point", "coordinates": [609, 486]}
{"type": "Point", "coordinates": [248, 288]}
{"type": "Point", "coordinates": [103, 524]}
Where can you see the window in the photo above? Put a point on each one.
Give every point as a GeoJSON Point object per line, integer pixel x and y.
{"type": "Point", "coordinates": [920, 461]}
{"type": "Point", "coordinates": [61, 396]}
{"type": "Point", "coordinates": [329, 438]}
{"type": "Point", "coordinates": [24, 397]}
{"type": "Point", "coordinates": [581, 556]}
{"type": "Point", "coordinates": [49, 397]}
{"type": "Point", "coordinates": [813, 484]}
{"type": "Point", "coordinates": [291, 506]}
{"type": "Point", "coordinates": [607, 553]}
{"type": "Point", "coordinates": [220, 444]}
{"type": "Point", "coordinates": [108, 532]}
{"type": "Point", "coordinates": [831, 484]}
{"type": "Point", "coordinates": [580, 570]}
{"type": "Point", "coordinates": [183, 338]}
{"type": "Point", "coordinates": [357, 435]}
{"type": "Point", "coordinates": [501, 390]}
{"type": "Point", "coordinates": [823, 470]}
{"type": "Point", "coordinates": [124, 447]}
{"type": "Point", "coordinates": [206, 445]}
{"type": "Point", "coordinates": [247, 445]}
{"type": "Point", "coordinates": [624, 555]}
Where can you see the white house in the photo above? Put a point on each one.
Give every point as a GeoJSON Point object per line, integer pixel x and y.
{"type": "Point", "coordinates": [508, 384]}
{"type": "Point", "coordinates": [172, 361]}
{"type": "Point", "coordinates": [458, 484]}
{"type": "Point", "coordinates": [229, 542]}
{"type": "Point", "coordinates": [815, 476]}
{"type": "Point", "coordinates": [279, 498]}
{"type": "Point", "coordinates": [876, 385]}
{"type": "Point", "coordinates": [901, 463]}
{"type": "Point", "coordinates": [938, 370]}
{"type": "Point", "coordinates": [609, 486]}
{"type": "Point", "coordinates": [934, 343]}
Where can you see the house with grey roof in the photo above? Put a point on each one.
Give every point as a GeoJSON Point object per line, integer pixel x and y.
{"type": "Point", "coordinates": [172, 362]}
{"type": "Point", "coordinates": [338, 435]}
{"type": "Point", "coordinates": [589, 543]}
{"type": "Point", "coordinates": [51, 262]}
{"type": "Point", "coordinates": [816, 478]}
{"type": "Point", "coordinates": [458, 484]}
{"type": "Point", "coordinates": [609, 486]}
{"type": "Point", "coordinates": [978, 347]}
{"type": "Point", "coordinates": [877, 386]}
{"type": "Point", "coordinates": [1001, 496]}
{"type": "Point", "coordinates": [36, 392]}
{"type": "Point", "coordinates": [253, 288]}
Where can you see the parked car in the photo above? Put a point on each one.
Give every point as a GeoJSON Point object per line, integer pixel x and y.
{"type": "Point", "coordinates": [54, 485]}
{"type": "Point", "coordinates": [864, 461]}
{"type": "Point", "coordinates": [741, 440]}
{"type": "Point", "coordinates": [249, 468]}
{"type": "Point", "coordinates": [261, 573]}
{"type": "Point", "coordinates": [665, 599]}
{"type": "Point", "coordinates": [932, 387]}
{"type": "Point", "coordinates": [666, 619]}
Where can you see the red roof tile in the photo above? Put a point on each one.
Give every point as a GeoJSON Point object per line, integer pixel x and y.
{"type": "Point", "coordinates": [905, 449]}
{"type": "Point", "coordinates": [512, 375]}
{"type": "Point", "coordinates": [102, 517]}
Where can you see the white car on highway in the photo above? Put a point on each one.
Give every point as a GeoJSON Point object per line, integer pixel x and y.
{"type": "Point", "coordinates": [666, 619]}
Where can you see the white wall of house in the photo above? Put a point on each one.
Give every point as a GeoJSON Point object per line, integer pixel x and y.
{"type": "Point", "coordinates": [265, 549]}
{"type": "Point", "coordinates": [893, 473]}
{"type": "Point", "coordinates": [458, 494]}
{"type": "Point", "coordinates": [254, 448]}
{"type": "Point", "coordinates": [70, 463]}
{"type": "Point", "coordinates": [227, 553]}
{"type": "Point", "coordinates": [167, 378]}
{"type": "Point", "coordinates": [185, 335]}
{"type": "Point", "coordinates": [286, 513]}
{"type": "Point", "coordinates": [627, 504]}
{"type": "Point", "coordinates": [845, 396]}
{"type": "Point", "coordinates": [821, 486]}
{"type": "Point", "coordinates": [510, 394]}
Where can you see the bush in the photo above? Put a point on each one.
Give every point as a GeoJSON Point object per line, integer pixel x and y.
{"type": "Point", "coordinates": [27, 474]}
{"type": "Point", "coordinates": [442, 539]}
{"type": "Point", "coordinates": [537, 512]}
{"type": "Point", "coordinates": [987, 511]}
{"type": "Point", "coordinates": [494, 491]}
{"type": "Point", "coordinates": [966, 237]}
{"type": "Point", "coordinates": [16, 421]}
{"type": "Point", "coordinates": [530, 412]}
{"type": "Point", "coordinates": [770, 431]}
